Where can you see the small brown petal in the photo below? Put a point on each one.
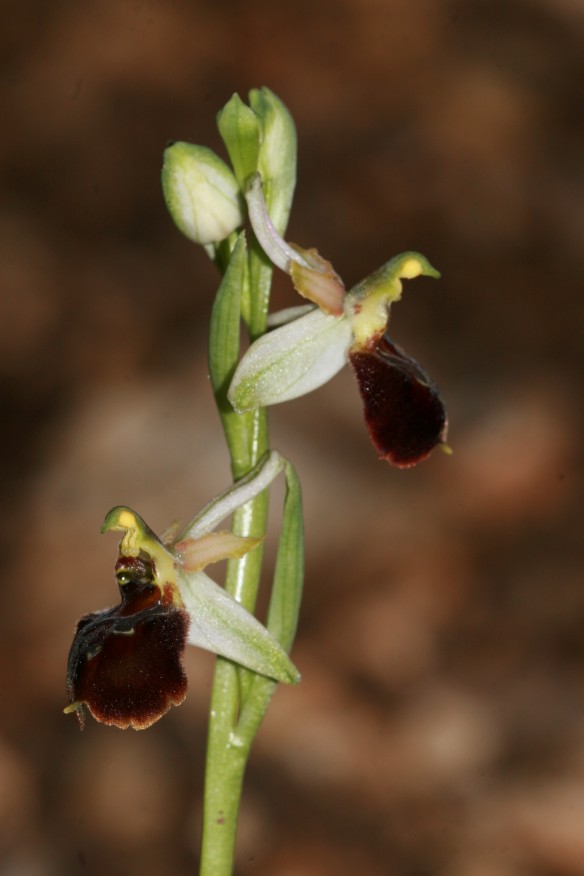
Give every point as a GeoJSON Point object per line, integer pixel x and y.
{"type": "Point", "coordinates": [403, 410]}
{"type": "Point", "coordinates": [125, 663]}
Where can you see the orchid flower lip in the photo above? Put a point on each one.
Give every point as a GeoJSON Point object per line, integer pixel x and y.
{"type": "Point", "coordinates": [403, 410]}
{"type": "Point", "coordinates": [145, 635]}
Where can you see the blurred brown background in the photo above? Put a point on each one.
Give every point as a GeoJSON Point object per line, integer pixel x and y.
{"type": "Point", "coordinates": [439, 727]}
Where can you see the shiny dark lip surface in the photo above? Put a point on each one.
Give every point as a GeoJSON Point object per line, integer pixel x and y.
{"type": "Point", "coordinates": [125, 663]}
{"type": "Point", "coordinates": [403, 410]}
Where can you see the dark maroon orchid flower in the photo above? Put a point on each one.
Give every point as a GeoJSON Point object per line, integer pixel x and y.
{"type": "Point", "coordinates": [125, 664]}
{"type": "Point", "coordinates": [404, 413]}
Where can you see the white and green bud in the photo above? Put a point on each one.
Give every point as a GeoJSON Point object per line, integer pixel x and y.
{"type": "Point", "coordinates": [201, 193]}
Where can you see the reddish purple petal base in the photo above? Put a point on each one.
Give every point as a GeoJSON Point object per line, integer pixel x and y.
{"type": "Point", "coordinates": [403, 410]}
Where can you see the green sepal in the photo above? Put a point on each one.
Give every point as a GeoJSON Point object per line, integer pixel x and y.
{"type": "Point", "coordinates": [244, 490]}
{"type": "Point", "coordinates": [222, 625]}
{"type": "Point", "coordinates": [291, 360]}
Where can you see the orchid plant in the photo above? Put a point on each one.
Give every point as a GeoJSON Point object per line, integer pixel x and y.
{"type": "Point", "coordinates": [125, 665]}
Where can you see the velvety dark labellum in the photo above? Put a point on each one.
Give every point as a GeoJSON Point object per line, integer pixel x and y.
{"type": "Point", "coordinates": [403, 410]}
{"type": "Point", "coordinates": [125, 663]}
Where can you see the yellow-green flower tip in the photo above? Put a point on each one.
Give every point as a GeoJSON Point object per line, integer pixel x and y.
{"type": "Point", "coordinates": [123, 519]}
{"type": "Point", "coordinates": [139, 537]}
{"type": "Point", "coordinates": [367, 305]}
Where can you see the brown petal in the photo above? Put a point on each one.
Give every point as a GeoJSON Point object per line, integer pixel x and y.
{"type": "Point", "coordinates": [403, 410]}
{"type": "Point", "coordinates": [125, 663]}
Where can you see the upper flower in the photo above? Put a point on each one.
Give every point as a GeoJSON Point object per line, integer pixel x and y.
{"type": "Point", "coordinates": [404, 413]}
{"type": "Point", "coordinates": [125, 663]}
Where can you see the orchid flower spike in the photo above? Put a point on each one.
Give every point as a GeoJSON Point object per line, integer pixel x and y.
{"type": "Point", "coordinates": [125, 664]}
{"type": "Point", "coordinates": [403, 410]}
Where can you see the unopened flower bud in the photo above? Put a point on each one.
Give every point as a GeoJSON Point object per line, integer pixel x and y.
{"type": "Point", "coordinates": [201, 193]}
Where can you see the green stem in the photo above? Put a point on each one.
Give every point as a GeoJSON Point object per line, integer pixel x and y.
{"type": "Point", "coordinates": [247, 440]}
{"type": "Point", "coordinates": [224, 775]}
{"type": "Point", "coordinates": [227, 752]}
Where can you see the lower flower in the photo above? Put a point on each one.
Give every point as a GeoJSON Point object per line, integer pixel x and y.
{"type": "Point", "coordinates": [125, 664]}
